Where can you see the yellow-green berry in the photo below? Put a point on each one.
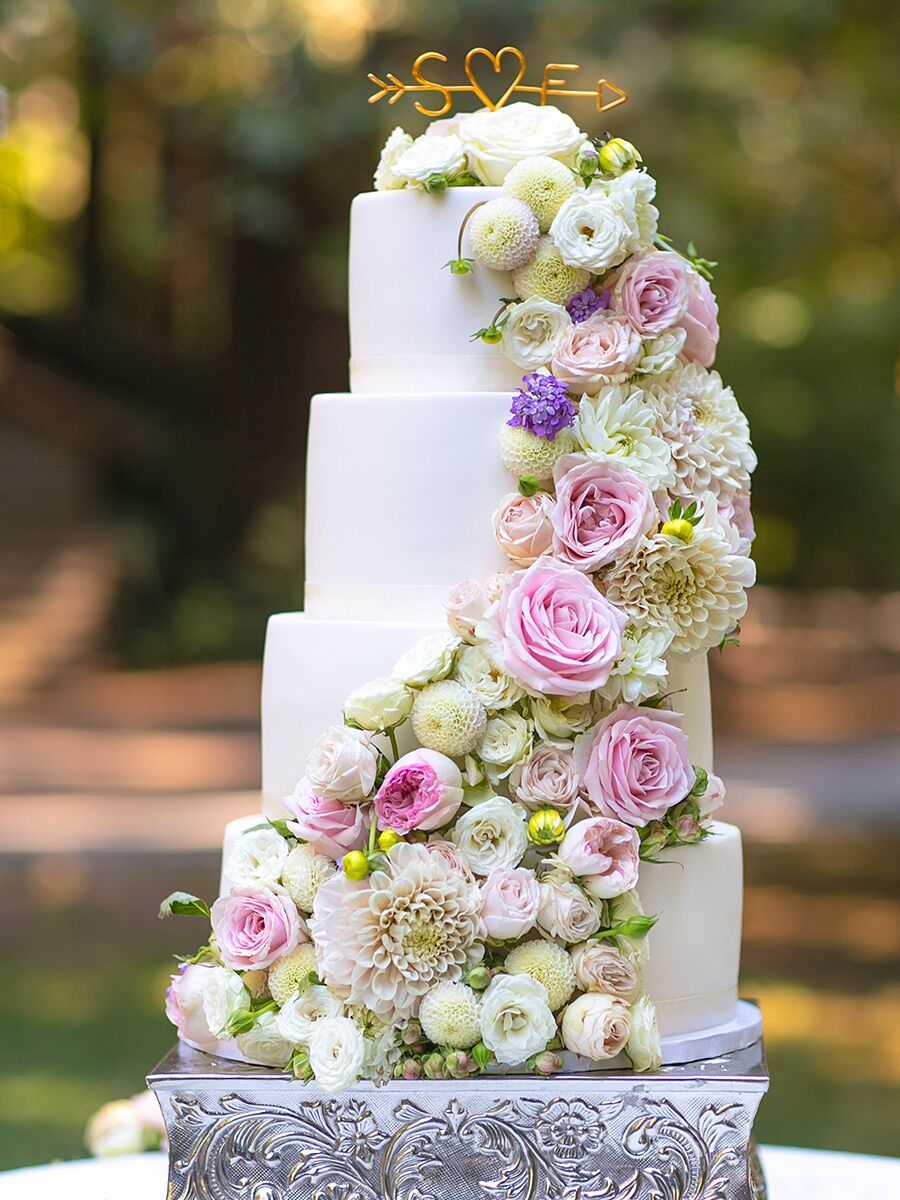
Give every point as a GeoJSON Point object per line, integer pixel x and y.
{"type": "Point", "coordinates": [356, 865]}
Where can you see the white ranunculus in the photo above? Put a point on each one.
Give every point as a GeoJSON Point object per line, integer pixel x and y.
{"type": "Point", "coordinates": [224, 994]}
{"type": "Point", "coordinates": [618, 425]}
{"type": "Point", "coordinates": [516, 1019]}
{"type": "Point", "coordinates": [256, 860]}
{"type": "Point", "coordinates": [342, 765]}
{"type": "Point", "coordinates": [264, 1044]}
{"type": "Point", "coordinates": [429, 659]}
{"type": "Point", "coordinates": [496, 141]}
{"type": "Point", "coordinates": [385, 178]}
{"type": "Point", "coordinates": [566, 914]}
{"type": "Point", "coordinates": [379, 705]}
{"type": "Point", "coordinates": [429, 156]}
{"type": "Point", "coordinates": [506, 743]}
{"type": "Point", "coordinates": [299, 1016]}
{"type": "Point", "coordinates": [532, 332]}
{"type": "Point", "coordinates": [643, 1046]}
{"type": "Point", "coordinates": [477, 671]}
{"type": "Point", "coordinates": [492, 835]}
{"type": "Point", "coordinates": [596, 1026]}
{"type": "Point", "coordinates": [337, 1052]}
{"type": "Point", "coordinates": [115, 1129]}
{"type": "Point", "coordinates": [642, 670]}
{"type": "Point", "coordinates": [558, 718]}
{"type": "Point", "coordinates": [659, 354]}
{"type": "Point", "coordinates": [594, 231]}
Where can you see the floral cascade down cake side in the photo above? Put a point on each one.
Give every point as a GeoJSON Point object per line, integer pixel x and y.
{"type": "Point", "coordinates": [501, 854]}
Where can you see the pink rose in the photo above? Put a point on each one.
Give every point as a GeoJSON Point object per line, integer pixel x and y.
{"type": "Point", "coordinates": [465, 606]}
{"type": "Point", "coordinates": [522, 526]}
{"type": "Point", "coordinates": [700, 322]}
{"type": "Point", "coordinates": [451, 854]}
{"type": "Point", "coordinates": [604, 854]}
{"type": "Point", "coordinates": [549, 778]}
{"type": "Point", "coordinates": [254, 926]}
{"type": "Point", "coordinates": [595, 352]}
{"type": "Point", "coordinates": [422, 790]}
{"type": "Point", "coordinates": [596, 1026]}
{"type": "Point", "coordinates": [342, 764]}
{"type": "Point", "coordinates": [184, 1006]}
{"type": "Point", "coordinates": [602, 511]}
{"type": "Point", "coordinates": [554, 632]}
{"type": "Point", "coordinates": [511, 900]}
{"type": "Point", "coordinates": [330, 827]}
{"type": "Point", "coordinates": [635, 764]}
{"type": "Point", "coordinates": [652, 292]}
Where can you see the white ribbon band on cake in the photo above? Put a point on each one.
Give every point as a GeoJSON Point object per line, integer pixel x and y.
{"type": "Point", "coordinates": [397, 602]}
{"type": "Point", "coordinates": [435, 373]}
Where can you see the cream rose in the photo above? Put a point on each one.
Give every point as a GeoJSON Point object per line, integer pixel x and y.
{"type": "Point", "coordinates": [566, 914]}
{"type": "Point", "coordinates": [496, 141]}
{"type": "Point", "coordinates": [429, 659]}
{"type": "Point", "coordinates": [532, 332]}
{"type": "Point", "coordinates": [601, 967]}
{"type": "Point", "coordinates": [596, 1026]}
{"type": "Point", "coordinates": [428, 156]}
{"type": "Point", "coordinates": [516, 1019]}
{"type": "Point", "coordinates": [506, 742]}
{"type": "Point", "coordinates": [342, 765]}
{"type": "Point", "coordinates": [337, 1050]}
{"type": "Point", "coordinates": [264, 1044]}
{"type": "Point", "coordinates": [385, 178]}
{"type": "Point", "coordinates": [594, 231]}
{"type": "Point", "coordinates": [557, 719]}
{"type": "Point", "coordinates": [257, 860]}
{"type": "Point", "coordinates": [492, 835]}
{"type": "Point", "coordinates": [643, 1046]}
{"type": "Point", "coordinates": [477, 671]}
{"type": "Point", "coordinates": [379, 705]}
{"type": "Point", "coordinates": [523, 528]}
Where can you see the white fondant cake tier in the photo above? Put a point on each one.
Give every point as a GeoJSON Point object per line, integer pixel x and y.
{"type": "Point", "coordinates": [411, 320]}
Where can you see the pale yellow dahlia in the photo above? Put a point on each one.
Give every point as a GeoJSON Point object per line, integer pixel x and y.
{"type": "Point", "coordinates": [547, 275]}
{"type": "Point", "coordinates": [288, 974]}
{"type": "Point", "coordinates": [304, 873]}
{"type": "Point", "coordinates": [503, 233]}
{"type": "Point", "coordinates": [549, 964]}
{"type": "Point", "coordinates": [448, 717]}
{"type": "Point", "coordinates": [543, 184]}
{"type": "Point", "coordinates": [450, 1015]}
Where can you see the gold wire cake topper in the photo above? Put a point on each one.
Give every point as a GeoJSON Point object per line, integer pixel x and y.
{"type": "Point", "coordinates": [550, 85]}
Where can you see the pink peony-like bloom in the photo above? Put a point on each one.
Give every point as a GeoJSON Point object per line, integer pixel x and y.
{"type": "Point", "coordinates": [452, 856]}
{"type": "Point", "coordinates": [422, 790]}
{"type": "Point", "coordinates": [184, 1007]}
{"type": "Point", "coordinates": [598, 351]}
{"type": "Point", "coordinates": [330, 827]}
{"type": "Point", "coordinates": [522, 526]}
{"type": "Point", "coordinates": [604, 854]}
{"type": "Point", "coordinates": [602, 511]}
{"type": "Point", "coordinates": [254, 926]}
{"type": "Point", "coordinates": [554, 632]}
{"type": "Point", "coordinates": [700, 321]}
{"type": "Point", "coordinates": [465, 606]}
{"type": "Point", "coordinates": [511, 901]}
{"type": "Point", "coordinates": [652, 292]}
{"type": "Point", "coordinates": [635, 764]}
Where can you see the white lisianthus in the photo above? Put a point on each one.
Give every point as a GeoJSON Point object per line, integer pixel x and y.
{"type": "Point", "coordinates": [637, 189]}
{"type": "Point", "coordinates": [379, 705]}
{"type": "Point", "coordinates": [595, 231]}
{"type": "Point", "coordinates": [532, 332]}
{"type": "Point", "coordinates": [492, 835]}
{"type": "Point", "coordinates": [643, 1046]}
{"type": "Point", "coordinates": [299, 1016]}
{"type": "Point", "coordinates": [342, 765]}
{"type": "Point", "coordinates": [256, 860]}
{"type": "Point", "coordinates": [516, 1019]}
{"type": "Point", "coordinates": [596, 1026]}
{"type": "Point", "coordinates": [506, 743]}
{"type": "Point", "coordinates": [477, 671]}
{"type": "Point", "coordinates": [557, 719]}
{"type": "Point", "coordinates": [642, 670]}
{"type": "Point", "coordinates": [429, 659]}
{"type": "Point", "coordinates": [618, 425]}
{"type": "Point", "coordinates": [337, 1051]}
{"type": "Point", "coordinates": [496, 140]}
{"type": "Point", "coordinates": [429, 156]}
{"type": "Point", "coordinates": [223, 994]}
{"type": "Point", "coordinates": [264, 1044]}
{"type": "Point", "coordinates": [386, 180]}
{"type": "Point", "coordinates": [659, 354]}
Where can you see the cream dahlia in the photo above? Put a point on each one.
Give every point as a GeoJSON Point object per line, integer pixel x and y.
{"type": "Point", "coordinates": [450, 1016]}
{"type": "Point", "coordinates": [303, 874]}
{"type": "Point", "coordinates": [549, 964]}
{"type": "Point", "coordinates": [619, 425]}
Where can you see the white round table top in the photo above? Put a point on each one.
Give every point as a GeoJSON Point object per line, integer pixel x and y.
{"type": "Point", "coordinates": [792, 1175]}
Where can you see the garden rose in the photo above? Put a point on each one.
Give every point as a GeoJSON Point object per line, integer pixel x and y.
{"type": "Point", "coordinates": [379, 705]}
{"type": "Point", "coordinates": [262, 1043]}
{"type": "Point", "coordinates": [256, 860]}
{"type": "Point", "coordinates": [643, 1046]}
{"type": "Point", "coordinates": [492, 835]}
{"type": "Point", "coordinates": [511, 898]}
{"type": "Point", "coordinates": [596, 1026]}
{"type": "Point", "coordinates": [342, 765]}
{"type": "Point", "coordinates": [548, 779]}
{"type": "Point", "coordinates": [700, 321]}
{"type": "Point", "coordinates": [303, 1010]}
{"type": "Point", "coordinates": [596, 352]}
{"type": "Point", "coordinates": [635, 764]}
{"type": "Point", "coordinates": [532, 331]}
{"type": "Point", "coordinates": [566, 914]}
{"type": "Point", "coordinates": [604, 854]}
{"type": "Point", "coordinates": [254, 926]}
{"type": "Point", "coordinates": [557, 719]}
{"type": "Point", "coordinates": [337, 1050]}
{"type": "Point", "coordinates": [602, 511]}
{"type": "Point", "coordinates": [422, 790]}
{"type": "Point", "coordinates": [465, 607]}
{"type": "Point", "coordinates": [330, 827]}
{"type": "Point", "coordinates": [224, 994]}
{"type": "Point", "coordinates": [652, 291]}
{"type": "Point", "coordinates": [431, 658]}
{"type": "Point", "coordinates": [185, 1007]}
{"type": "Point", "coordinates": [506, 742]}
{"type": "Point", "coordinates": [522, 526]}
{"type": "Point", "coordinates": [602, 967]}
{"type": "Point", "coordinates": [451, 854]}
{"type": "Point", "coordinates": [594, 230]}
{"type": "Point", "coordinates": [554, 632]}
{"type": "Point", "coordinates": [429, 156]}
{"type": "Point", "coordinates": [516, 1019]}
{"type": "Point", "coordinates": [495, 141]}
{"type": "Point", "coordinates": [398, 142]}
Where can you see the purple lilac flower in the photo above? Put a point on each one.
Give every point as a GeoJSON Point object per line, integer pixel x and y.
{"type": "Point", "coordinates": [584, 304]}
{"type": "Point", "coordinates": [541, 406]}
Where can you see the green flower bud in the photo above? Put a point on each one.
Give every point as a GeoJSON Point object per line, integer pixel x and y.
{"type": "Point", "coordinates": [679, 528]}
{"type": "Point", "coordinates": [356, 865]}
{"type": "Point", "coordinates": [434, 1066]}
{"type": "Point", "coordinates": [546, 1063]}
{"type": "Point", "coordinates": [387, 839]}
{"type": "Point", "coordinates": [617, 156]}
{"type": "Point", "coordinates": [300, 1067]}
{"type": "Point", "coordinates": [478, 978]}
{"type": "Point", "coordinates": [587, 162]}
{"type": "Point", "coordinates": [460, 266]}
{"type": "Point", "coordinates": [435, 184]}
{"type": "Point", "coordinates": [546, 827]}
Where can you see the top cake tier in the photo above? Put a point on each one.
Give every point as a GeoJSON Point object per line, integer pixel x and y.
{"type": "Point", "coordinates": [411, 320]}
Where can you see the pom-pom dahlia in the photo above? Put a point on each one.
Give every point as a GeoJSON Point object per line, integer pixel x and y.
{"type": "Point", "coordinates": [549, 964]}
{"type": "Point", "coordinates": [547, 275]}
{"type": "Point", "coordinates": [526, 455]}
{"type": "Point", "coordinates": [449, 1015]}
{"type": "Point", "coordinates": [288, 974]}
{"type": "Point", "coordinates": [447, 717]}
{"type": "Point", "coordinates": [304, 873]}
{"type": "Point", "coordinates": [504, 233]}
{"type": "Point", "coordinates": [543, 184]}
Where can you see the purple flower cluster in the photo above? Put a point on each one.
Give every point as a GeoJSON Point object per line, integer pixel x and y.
{"type": "Point", "coordinates": [584, 304]}
{"type": "Point", "coordinates": [541, 406]}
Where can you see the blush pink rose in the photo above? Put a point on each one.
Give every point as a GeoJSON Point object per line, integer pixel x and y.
{"type": "Point", "coordinates": [465, 606]}
{"type": "Point", "coordinates": [652, 292]}
{"type": "Point", "coordinates": [422, 790]}
{"type": "Point", "coordinates": [522, 526]}
{"type": "Point", "coordinates": [254, 926]}
{"type": "Point", "coordinates": [604, 854]}
{"type": "Point", "coordinates": [602, 511]}
{"type": "Point", "coordinates": [595, 352]}
{"type": "Point", "coordinates": [330, 827]}
{"type": "Point", "coordinates": [548, 779]}
{"type": "Point", "coordinates": [554, 632]}
{"type": "Point", "coordinates": [511, 901]}
{"type": "Point", "coordinates": [712, 799]}
{"type": "Point", "coordinates": [700, 322]}
{"type": "Point", "coordinates": [635, 764]}
{"type": "Point", "coordinates": [184, 1007]}
{"type": "Point", "coordinates": [451, 854]}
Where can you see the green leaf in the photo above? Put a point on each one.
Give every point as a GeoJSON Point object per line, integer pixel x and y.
{"type": "Point", "coordinates": [183, 904]}
{"type": "Point", "coordinates": [701, 779]}
{"type": "Point", "coordinates": [203, 953]}
{"type": "Point", "coordinates": [528, 485]}
{"type": "Point", "coordinates": [482, 1055]}
{"type": "Point", "coordinates": [460, 266]}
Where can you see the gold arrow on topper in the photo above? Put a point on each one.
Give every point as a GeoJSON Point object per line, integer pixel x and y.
{"type": "Point", "coordinates": [550, 87]}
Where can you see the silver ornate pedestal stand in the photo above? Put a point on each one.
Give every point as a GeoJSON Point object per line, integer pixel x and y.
{"type": "Point", "coordinates": [247, 1133]}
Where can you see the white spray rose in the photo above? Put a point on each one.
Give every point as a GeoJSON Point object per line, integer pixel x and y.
{"type": "Point", "coordinates": [506, 743]}
{"type": "Point", "coordinates": [596, 1026]}
{"type": "Point", "coordinates": [532, 332]}
{"type": "Point", "coordinates": [224, 994]}
{"type": "Point", "coordinates": [557, 719]}
{"type": "Point", "coordinates": [595, 231]}
{"type": "Point", "coordinates": [602, 967]}
{"type": "Point", "coordinates": [566, 914]}
{"type": "Point", "coordinates": [299, 1016]}
{"type": "Point", "coordinates": [492, 835]}
{"type": "Point", "coordinates": [496, 141]}
{"type": "Point", "coordinates": [264, 1044]}
{"type": "Point", "coordinates": [429, 659]}
{"type": "Point", "coordinates": [659, 354]}
{"type": "Point", "coordinates": [342, 765]}
{"type": "Point", "coordinates": [385, 178]}
{"type": "Point", "coordinates": [516, 1019]}
{"type": "Point", "coordinates": [256, 860]}
{"type": "Point", "coordinates": [643, 1046]}
{"type": "Point", "coordinates": [428, 156]}
{"type": "Point", "coordinates": [337, 1052]}
{"type": "Point", "coordinates": [477, 671]}
{"type": "Point", "coordinates": [379, 705]}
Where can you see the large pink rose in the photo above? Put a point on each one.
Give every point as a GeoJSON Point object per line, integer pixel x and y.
{"type": "Point", "coordinates": [522, 526]}
{"type": "Point", "coordinates": [330, 827]}
{"type": "Point", "coordinates": [652, 292]}
{"type": "Point", "coordinates": [554, 632]}
{"type": "Point", "coordinates": [254, 926]}
{"type": "Point", "coordinates": [604, 854]}
{"type": "Point", "coordinates": [602, 511]}
{"type": "Point", "coordinates": [422, 790]}
{"type": "Point", "coordinates": [635, 764]}
{"type": "Point", "coordinates": [595, 352]}
{"type": "Point", "coordinates": [700, 322]}
{"type": "Point", "coordinates": [511, 901]}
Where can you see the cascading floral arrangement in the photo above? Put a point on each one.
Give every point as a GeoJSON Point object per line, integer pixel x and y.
{"type": "Point", "coordinates": [473, 901]}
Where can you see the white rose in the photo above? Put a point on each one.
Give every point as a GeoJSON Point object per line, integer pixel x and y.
{"type": "Point", "coordinates": [496, 141]}
{"type": "Point", "coordinates": [566, 914]}
{"type": "Point", "coordinates": [506, 743]}
{"type": "Point", "coordinates": [516, 1019]}
{"type": "Point", "coordinates": [481, 675]}
{"type": "Point", "coordinates": [660, 354]}
{"type": "Point", "coordinates": [429, 156]}
{"type": "Point", "coordinates": [256, 860]}
{"type": "Point", "coordinates": [298, 1018]}
{"type": "Point", "coordinates": [548, 778]}
{"type": "Point", "coordinates": [602, 967]}
{"type": "Point", "coordinates": [637, 189]}
{"type": "Point", "coordinates": [492, 835]}
{"type": "Point", "coordinates": [379, 705]}
{"type": "Point", "coordinates": [595, 231]}
{"type": "Point", "coordinates": [342, 765]}
{"type": "Point", "coordinates": [637, 949]}
{"type": "Point", "coordinates": [386, 180]}
{"type": "Point", "coordinates": [115, 1129]}
{"type": "Point", "coordinates": [643, 1046]}
{"type": "Point", "coordinates": [532, 332]}
{"type": "Point", "coordinates": [429, 659]}
{"type": "Point", "coordinates": [596, 1026]}
{"type": "Point", "coordinates": [337, 1053]}
{"type": "Point", "coordinates": [264, 1044]}
{"type": "Point", "coordinates": [223, 994]}
{"type": "Point", "coordinates": [558, 718]}
{"type": "Point", "coordinates": [712, 799]}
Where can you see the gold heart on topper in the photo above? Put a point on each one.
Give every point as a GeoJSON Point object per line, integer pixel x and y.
{"type": "Point", "coordinates": [496, 61]}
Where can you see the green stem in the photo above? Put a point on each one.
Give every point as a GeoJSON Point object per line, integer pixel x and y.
{"type": "Point", "coordinates": [373, 834]}
{"type": "Point", "coordinates": [392, 736]}
{"type": "Point", "coordinates": [462, 228]}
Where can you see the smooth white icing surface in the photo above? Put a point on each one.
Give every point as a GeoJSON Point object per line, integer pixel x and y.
{"type": "Point", "coordinates": [411, 320]}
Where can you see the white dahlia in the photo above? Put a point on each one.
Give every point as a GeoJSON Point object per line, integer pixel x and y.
{"type": "Point", "coordinates": [450, 1016]}
{"type": "Point", "coordinates": [386, 941]}
{"type": "Point", "coordinates": [288, 974]}
{"type": "Point", "coordinates": [448, 717]}
{"type": "Point", "coordinates": [543, 184]}
{"type": "Point", "coordinates": [477, 671]}
{"type": "Point", "coordinates": [304, 873]}
{"type": "Point", "coordinates": [504, 233]}
{"type": "Point", "coordinates": [549, 964]}
{"type": "Point", "coordinates": [525, 454]}
{"type": "Point", "coordinates": [641, 672]}
{"type": "Point", "coordinates": [619, 425]}
{"type": "Point", "coordinates": [547, 275]}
